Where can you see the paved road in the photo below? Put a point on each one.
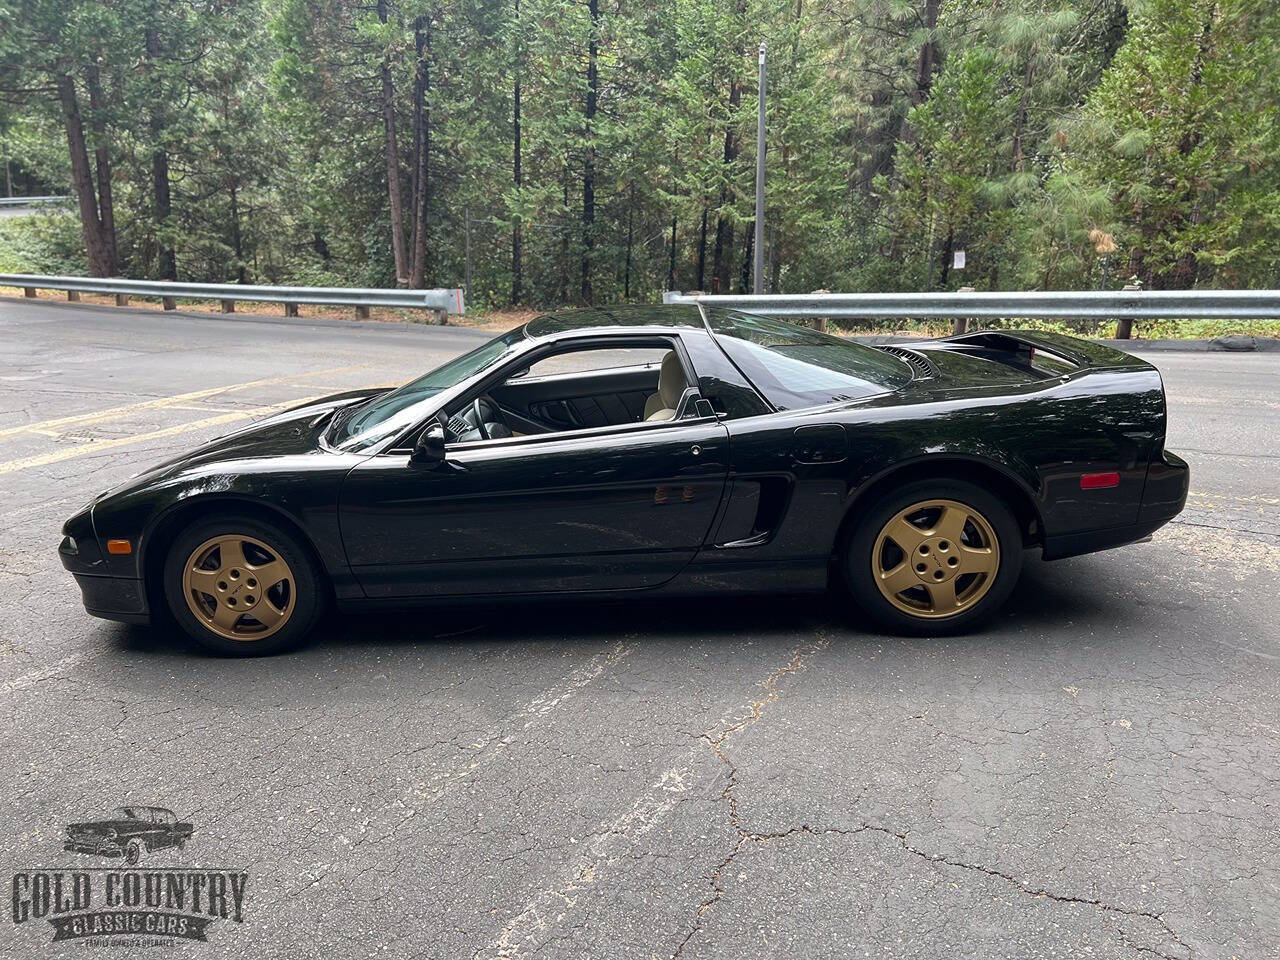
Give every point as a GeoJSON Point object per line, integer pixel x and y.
{"type": "Point", "coordinates": [1094, 776]}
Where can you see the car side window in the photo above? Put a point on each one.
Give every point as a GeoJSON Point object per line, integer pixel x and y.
{"type": "Point", "coordinates": [578, 387]}
{"type": "Point", "coordinates": [588, 361]}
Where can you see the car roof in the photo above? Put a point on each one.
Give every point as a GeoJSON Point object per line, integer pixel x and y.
{"type": "Point", "coordinates": [628, 317]}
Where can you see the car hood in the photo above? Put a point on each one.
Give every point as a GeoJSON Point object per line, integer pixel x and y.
{"type": "Point", "coordinates": [293, 431]}
{"type": "Point", "coordinates": [102, 826]}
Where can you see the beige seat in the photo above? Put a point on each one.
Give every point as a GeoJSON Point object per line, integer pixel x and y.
{"type": "Point", "coordinates": [671, 387]}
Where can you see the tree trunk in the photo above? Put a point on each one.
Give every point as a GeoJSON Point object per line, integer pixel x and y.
{"type": "Point", "coordinates": [517, 265]}
{"type": "Point", "coordinates": [421, 152]}
{"type": "Point", "coordinates": [702, 251]}
{"type": "Point", "coordinates": [167, 261]}
{"type": "Point", "coordinates": [1021, 123]}
{"type": "Point", "coordinates": [237, 240]}
{"type": "Point", "coordinates": [589, 158]}
{"type": "Point", "coordinates": [631, 214]}
{"type": "Point", "coordinates": [564, 239]}
{"type": "Point", "coordinates": [724, 229]}
{"type": "Point", "coordinates": [948, 249]}
{"type": "Point", "coordinates": [393, 163]}
{"type": "Point", "coordinates": [930, 58]}
{"type": "Point", "coordinates": [724, 240]}
{"type": "Point", "coordinates": [1182, 275]}
{"type": "Point", "coordinates": [775, 263]}
{"type": "Point", "coordinates": [744, 277]}
{"type": "Point", "coordinates": [102, 162]}
{"type": "Point", "coordinates": [99, 261]}
{"type": "Point", "coordinates": [671, 264]}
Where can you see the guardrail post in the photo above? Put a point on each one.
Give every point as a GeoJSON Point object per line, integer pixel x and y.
{"type": "Point", "coordinates": [362, 313]}
{"type": "Point", "coordinates": [961, 324]}
{"type": "Point", "coordinates": [1124, 326]}
{"type": "Point", "coordinates": [73, 296]}
{"type": "Point", "coordinates": [122, 299]}
{"type": "Point", "coordinates": [290, 309]}
{"type": "Point", "coordinates": [228, 306]}
{"type": "Point", "coordinates": [29, 292]}
{"type": "Point", "coordinates": [169, 303]}
{"type": "Point", "coordinates": [819, 323]}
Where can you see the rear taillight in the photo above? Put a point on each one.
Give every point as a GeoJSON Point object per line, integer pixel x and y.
{"type": "Point", "coordinates": [1099, 481]}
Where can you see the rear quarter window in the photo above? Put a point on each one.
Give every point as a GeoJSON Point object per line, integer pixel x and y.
{"type": "Point", "coordinates": [797, 367]}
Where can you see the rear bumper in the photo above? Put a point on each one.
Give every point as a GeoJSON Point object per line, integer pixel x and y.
{"type": "Point", "coordinates": [1168, 480]}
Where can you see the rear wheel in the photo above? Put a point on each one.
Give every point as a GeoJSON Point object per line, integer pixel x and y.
{"type": "Point", "coordinates": [934, 557]}
{"type": "Point", "coordinates": [240, 586]}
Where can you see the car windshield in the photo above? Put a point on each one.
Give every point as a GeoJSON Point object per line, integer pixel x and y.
{"type": "Point", "coordinates": [390, 413]}
{"type": "Point", "coordinates": [796, 367]}
{"type": "Point", "coordinates": [128, 813]}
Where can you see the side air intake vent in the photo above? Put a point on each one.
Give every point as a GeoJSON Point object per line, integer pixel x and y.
{"type": "Point", "coordinates": [922, 365]}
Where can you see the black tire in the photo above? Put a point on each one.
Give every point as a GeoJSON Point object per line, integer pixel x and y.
{"type": "Point", "coordinates": [858, 557]}
{"type": "Point", "coordinates": [308, 585]}
{"type": "Point", "coordinates": [133, 852]}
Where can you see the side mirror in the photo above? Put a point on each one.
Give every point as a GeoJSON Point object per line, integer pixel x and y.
{"type": "Point", "coordinates": [429, 451]}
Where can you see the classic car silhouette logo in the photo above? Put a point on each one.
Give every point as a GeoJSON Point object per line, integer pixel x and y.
{"type": "Point", "coordinates": [129, 903]}
{"type": "Point", "coordinates": [131, 832]}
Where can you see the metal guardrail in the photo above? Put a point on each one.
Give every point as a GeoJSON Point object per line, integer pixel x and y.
{"type": "Point", "coordinates": [31, 201]}
{"type": "Point", "coordinates": [1066, 305]}
{"type": "Point", "coordinates": [444, 301]}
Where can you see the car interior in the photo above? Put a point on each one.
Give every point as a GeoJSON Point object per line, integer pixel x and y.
{"type": "Point", "coordinates": [606, 386]}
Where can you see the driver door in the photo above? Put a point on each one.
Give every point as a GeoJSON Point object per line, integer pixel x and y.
{"type": "Point", "coordinates": [607, 508]}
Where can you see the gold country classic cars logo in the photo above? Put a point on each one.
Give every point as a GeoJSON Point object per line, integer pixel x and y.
{"type": "Point", "coordinates": [130, 905]}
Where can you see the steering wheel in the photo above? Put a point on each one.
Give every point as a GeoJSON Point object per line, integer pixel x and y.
{"type": "Point", "coordinates": [478, 412]}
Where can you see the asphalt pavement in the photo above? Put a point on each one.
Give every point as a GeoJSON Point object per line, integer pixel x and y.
{"type": "Point", "coordinates": [1094, 775]}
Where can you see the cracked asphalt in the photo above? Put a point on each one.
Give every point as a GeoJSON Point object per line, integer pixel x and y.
{"type": "Point", "coordinates": [1095, 775]}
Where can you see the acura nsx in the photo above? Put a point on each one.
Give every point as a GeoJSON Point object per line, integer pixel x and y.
{"type": "Point", "coordinates": [649, 449]}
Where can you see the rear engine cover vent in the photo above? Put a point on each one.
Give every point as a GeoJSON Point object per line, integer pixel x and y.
{"type": "Point", "coordinates": [922, 365]}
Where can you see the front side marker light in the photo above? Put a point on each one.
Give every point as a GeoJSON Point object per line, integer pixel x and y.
{"type": "Point", "coordinates": [119, 547]}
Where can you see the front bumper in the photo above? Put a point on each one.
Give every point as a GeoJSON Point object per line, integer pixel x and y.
{"type": "Point", "coordinates": [103, 847]}
{"type": "Point", "coordinates": [1165, 494]}
{"type": "Point", "coordinates": [108, 597]}
{"type": "Point", "coordinates": [114, 598]}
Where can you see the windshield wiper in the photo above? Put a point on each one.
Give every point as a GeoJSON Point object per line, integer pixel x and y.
{"type": "Point", "coordinates": [333, 416]}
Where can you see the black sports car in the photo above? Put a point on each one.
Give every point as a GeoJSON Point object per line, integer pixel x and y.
{"type": "Point", "coordinates": [674, 449]}
{"type": "Point", "coordinates": [130, 833]}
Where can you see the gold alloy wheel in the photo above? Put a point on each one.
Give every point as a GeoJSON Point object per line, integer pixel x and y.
{"type": "Point", "coordinates": [935, 559]}
{"type": "Point", "coordinates": [238, 587]}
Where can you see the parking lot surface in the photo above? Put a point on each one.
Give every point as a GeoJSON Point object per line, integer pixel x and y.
{"type": "Point", "coordinates": [1094, 775]}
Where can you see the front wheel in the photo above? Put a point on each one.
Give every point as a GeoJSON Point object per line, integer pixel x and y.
{"type": "Point", "coordinates": [133, 852]}
{"type": "Point", "coordinates": [934, 557]}
{"type": "Point", "coordinates": [241, 586]}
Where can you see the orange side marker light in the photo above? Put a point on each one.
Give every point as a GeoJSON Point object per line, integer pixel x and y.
{"type": "Point", "coordinates": [119, 547]}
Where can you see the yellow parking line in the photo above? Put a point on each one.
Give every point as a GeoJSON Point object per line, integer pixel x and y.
{"type": "Point", "coordinates": [43, 426]}
{"type": "Point", "coordinates": [68, 453]}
